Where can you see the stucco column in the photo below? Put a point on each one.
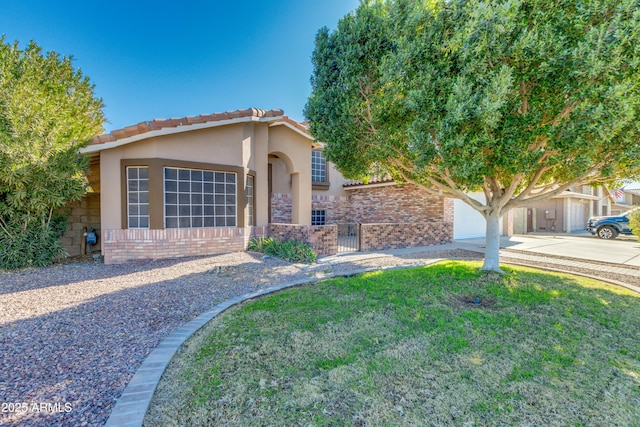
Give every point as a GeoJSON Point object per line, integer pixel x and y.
{"type": "Point", "coordinates": [259, 161]}
{"type": "Point", "coordinates": [295, 198]}
{"type": "Point", "coordinates": [300, 200]}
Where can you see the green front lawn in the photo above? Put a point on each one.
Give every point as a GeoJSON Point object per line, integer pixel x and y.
{"type": "Point", "coordinates": [439, 345]}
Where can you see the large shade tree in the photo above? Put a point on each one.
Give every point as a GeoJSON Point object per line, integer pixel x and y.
{"type": "Point", "coordinates": [519, 99]}
{"type": "Point", "coordinates": [48, 111]}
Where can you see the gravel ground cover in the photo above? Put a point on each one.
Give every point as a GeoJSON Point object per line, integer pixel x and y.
{"type": "Point", "coordinates": [73, 335]}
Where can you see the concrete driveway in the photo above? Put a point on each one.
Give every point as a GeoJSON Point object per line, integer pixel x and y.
{"type": "Point", "coordinates": [623, 250]}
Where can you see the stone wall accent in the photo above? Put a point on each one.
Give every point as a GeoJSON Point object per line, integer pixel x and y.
{"type": "Point", "coordinates": [281, 204]}
{"type": "Point", "coordinates": [397, 204]}
{"type": "Point", "coordinates": [376, 237]}
{"type": "Point", "coordinates": [85, 213]}
{"type": "Point", "coordinates": [323, 239]}
{"type": "Point", "coordinates": [336, 208]}
{"type": "Point", "coordinates": [121, 246]}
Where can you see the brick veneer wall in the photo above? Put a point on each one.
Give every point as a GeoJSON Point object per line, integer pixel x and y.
{"type": "Point", "coordinates": [85, 213]}
{"type": "Point", "coordinates": [336, 208]}
{"type": "Point", "coordinates": [281, 208]}
{"type": "Point", "coordinates": [323, 239]}
{"type": "Point", "coordinates": [375, 237]}
{"type": "Point", "coordinates": [137, 245]}
{"type": "Point", "coordinates": [397, 204]}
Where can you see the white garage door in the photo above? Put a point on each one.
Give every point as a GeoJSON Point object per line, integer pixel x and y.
{"type": "Point", "coordinates": [578, 216]}
{"type": "Point", "coordinates": [467, 222]}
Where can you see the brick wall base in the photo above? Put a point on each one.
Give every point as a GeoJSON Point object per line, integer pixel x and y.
{"type": "Point", "coordinates": [376, 237]}
{"type": "Point", "coordinates": [323, 239]}
{"type": "Point", "coordinates": [121, 246]}
{"type": "Point", "coordinates": [392, 217]}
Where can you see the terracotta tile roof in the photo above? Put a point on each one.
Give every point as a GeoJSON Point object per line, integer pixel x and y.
{"type": "Point", "coordinates": [373, 180]}
{"type": "Point", "coordinates": [157, 124]}
{"type": "Point", "coordinates": [301, 126]}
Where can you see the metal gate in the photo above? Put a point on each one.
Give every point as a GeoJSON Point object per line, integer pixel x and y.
{"type": "Point", "coordinates": [348, 238]}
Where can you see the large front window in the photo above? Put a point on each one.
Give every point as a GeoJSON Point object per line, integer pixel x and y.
{"type": "Point", "coordinates": [199, 198]}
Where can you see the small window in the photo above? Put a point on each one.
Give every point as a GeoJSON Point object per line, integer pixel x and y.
{"type": "Point", "coordinates": [137, 197]}
{"type": "Point", "coordinates": [318, 167]}
{"type": "Point", "coordinates": [318, 217]}
{"type": "Point", "coordinates": [249, 196]}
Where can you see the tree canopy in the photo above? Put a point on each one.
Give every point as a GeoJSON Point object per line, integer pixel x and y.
{"type": "Point", "coordinates": [48, 111]}
{"type": "Point", "coordinates": [519, 99]}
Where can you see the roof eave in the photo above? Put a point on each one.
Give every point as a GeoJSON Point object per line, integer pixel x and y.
{"type": "Point", "coordinates": [174, 130]}
{"type": "Point", "coordinates": [575, 195]}
{"type": "Point", "coordinates": [348, 187]}
{"type": "Point", "coordinates": [295, 129]}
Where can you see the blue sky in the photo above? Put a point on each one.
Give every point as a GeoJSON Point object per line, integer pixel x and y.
{"type": "Point", "coordinates": [173, 59]}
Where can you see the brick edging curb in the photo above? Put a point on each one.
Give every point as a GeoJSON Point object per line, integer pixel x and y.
{"type": "Point", "coordinates": [132, 405]}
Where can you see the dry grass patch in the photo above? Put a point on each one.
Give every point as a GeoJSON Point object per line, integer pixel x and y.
{"type": "Point", "coordinates": [439, 345]}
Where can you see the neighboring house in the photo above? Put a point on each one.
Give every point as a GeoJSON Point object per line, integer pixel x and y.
{"type": "Point", "coordinates": [207, 184]}
{"type": "Point", "coordinates": [629, 198]}
{"type": "Point", "coordinates": [569, 211]}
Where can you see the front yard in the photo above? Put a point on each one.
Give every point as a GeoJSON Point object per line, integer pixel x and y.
{"type": "Point", "coordinates": [439, 345]}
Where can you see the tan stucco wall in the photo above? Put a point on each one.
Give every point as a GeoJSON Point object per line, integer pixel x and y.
{"type": "Point", "coordinates": [257, 160]}
{"type": "Point", "coordinates": [336, 180]}
{"type": "Point", "coordinates": [281, 180]}
{"type": "Point", "coordinates": [295, 151]}
{"type": "Point", "coordinates": [220, 145]}
{"type": "Point", "coordinates": [247, 145]}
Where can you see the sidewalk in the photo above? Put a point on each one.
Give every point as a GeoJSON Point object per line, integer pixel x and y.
{"type": "Point", "coordinates": [624, 251]}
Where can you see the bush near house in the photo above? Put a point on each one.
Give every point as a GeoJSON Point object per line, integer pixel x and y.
{"type": "Point", "coordinates": [634, 222]}
{"type": "Point", "coordinates": [47, 113]}
{"type": "Point", "coordinates": [34, 246]}
{"type": "Point", "coordinates": [288, 250]}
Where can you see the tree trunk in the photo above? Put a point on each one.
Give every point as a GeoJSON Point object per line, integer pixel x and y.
{"type": "Point", "coordinates": [492, 244]}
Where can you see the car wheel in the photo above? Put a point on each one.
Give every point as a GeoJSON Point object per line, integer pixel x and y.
{"type": "Point", "coordinates": [607, 232]}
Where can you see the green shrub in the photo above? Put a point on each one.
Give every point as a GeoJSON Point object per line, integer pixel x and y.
{"type": "Point", "coordinates": [288, 250]}
{"type": "Point", "coordinates": [48, 111]}
{"type": "Point", "coordinates": [34, 246]}
{"type": "Point", "coordinates": [634, 222]}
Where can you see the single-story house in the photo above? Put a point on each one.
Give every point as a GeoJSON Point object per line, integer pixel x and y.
{"type": "Point", "coordinates": [207, 184]}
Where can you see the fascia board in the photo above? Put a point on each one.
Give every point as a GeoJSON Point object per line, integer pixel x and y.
{"type": "Point", "coordinates": [173, 130]}
{"type": "Point", "coordinates": [290, 126]}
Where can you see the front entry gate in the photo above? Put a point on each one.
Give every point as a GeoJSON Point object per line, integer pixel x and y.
{"type": "Point", "coordinates": [348, 238]}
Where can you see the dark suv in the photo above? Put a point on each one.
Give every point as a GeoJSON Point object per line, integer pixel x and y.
{"type": "Point", "coordinates": [608, 227]}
